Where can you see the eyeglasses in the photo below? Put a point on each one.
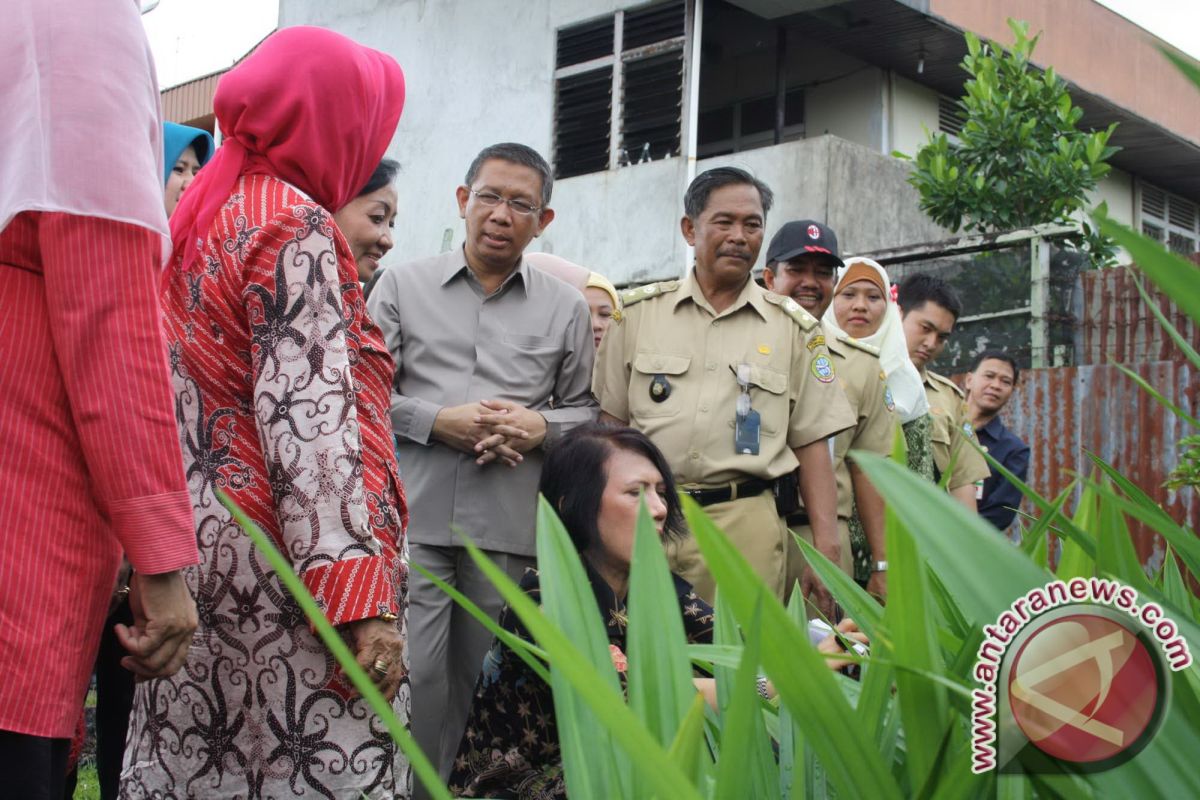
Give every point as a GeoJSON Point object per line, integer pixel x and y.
{"type": "Point", "coordinates": [491, 200]}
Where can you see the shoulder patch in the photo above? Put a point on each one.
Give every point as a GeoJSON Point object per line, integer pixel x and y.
{"type": "Point", "coordinates": [946, 382]}
{"type": "Point", "coordinates": [805, 320]}
{"type": "Point", "coordinates": [631, 296]}
{"type": "Point", "coordinates": [847, 339]}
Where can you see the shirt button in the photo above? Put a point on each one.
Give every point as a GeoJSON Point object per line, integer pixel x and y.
{"type": "Point", "coordinates": [716, 322]}
{"type": "Point", "coordinates": [693, 455]}
{"type": "Point", "coordinates": [704, 407]}
{"type": "Point", "coordinates": [710, 366]}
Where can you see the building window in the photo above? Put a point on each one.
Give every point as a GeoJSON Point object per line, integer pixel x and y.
{"type": "Point", "coordinates": [1169, 219]}
{"type": "Point", "coordinates": [950, 121]}
{"type": "Point", "coordinates": [646, 78]}
{"type": "Point", "coordinates": [747, 124]}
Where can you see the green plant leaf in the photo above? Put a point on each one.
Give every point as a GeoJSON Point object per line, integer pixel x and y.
{"type": "Point", "coordinates": [1177, 277]}
{"type": "Point", "coordinates": [529, 653]}
{"type": "Point", "coordinates": [994, 573]}
{"type": "Point", "coordinates": [421, 765]}
{"type": "Point", "coordinates": [688, 750]}
{"type": "Point", "coordinates": [591, 764]}
{"type": "Point", "coordinates": [1172, 332]}
{"type": "Point", "coordinates": [1184, 64]}
{"type": "Point", "coordinates": [856, 603]}
{"type": "Point", "coordinates": [800, 676]}
{"type": "Point", "coordinates": [659, 678]}
{"type": "Point", "coordinates": [1158, 396]}
{"type": "Point", "coordinates": [592, 685]}
{"type": "Point", "coordinates": [1115, 555]}
{"type": "Point", "coordinates": [1075, 561]}
{"type": "Point", "coordinates": [746, 767]}
{"type": "Point", "coordinates": [923, 706]}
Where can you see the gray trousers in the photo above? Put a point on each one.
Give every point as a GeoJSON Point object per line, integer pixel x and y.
{"type": "Point", "coordinates": [447, 645]}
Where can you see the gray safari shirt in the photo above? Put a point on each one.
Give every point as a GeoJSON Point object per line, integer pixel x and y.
{"type": "Point", "coordinates": [530, 342]}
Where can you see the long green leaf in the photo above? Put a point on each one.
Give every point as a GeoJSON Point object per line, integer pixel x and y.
{"type": "Point", "coordinates": [688, 750]}
{"type": "Point", "coordinates": [659, 679]}
{"type": "Point", "coordinates": [856, 603]}
{"type": "Point", "coordinates": [1177, 277]}
{"type": "Point", "coordinates": [981, 568]}
{"type": "Point", "coordinates": [746, 766]}
{"type": "Point", "coordinates": [800, 676]}
{"type": "Point", "coordinates": [591, 764]}
{"type": "Point", "coordinates": [1184, 64]}
{"type": "Point", "coordinates": [1076, 561]}
{"type": "Point", "coordinates": [422, 767]}
{"type": "Point", "coordinates": [529, 653]}
{"type": "Point", "coordinates": [1115, 555]}
{"type": "Point", "coordinates": [1182, 343]}
{"type": "Point", "coordinates": [588, 682]}
{"type": "Point", "coordinates": [923, 705]}
{"type": "Point", "coordinates": [1158, 396]}
{"type": "Point", "coordinates": [1173, 587]}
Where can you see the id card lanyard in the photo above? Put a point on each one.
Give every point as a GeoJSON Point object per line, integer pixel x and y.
{"type": "Point", "coordinates": [747, 428]}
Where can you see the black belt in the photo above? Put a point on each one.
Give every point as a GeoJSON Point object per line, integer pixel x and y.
{"type": "Point", "coordinates": [722, 494]}
{"type": "Point", "coordinates": [797, 520]}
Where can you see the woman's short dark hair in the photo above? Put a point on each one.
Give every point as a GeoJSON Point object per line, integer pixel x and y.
{"type": "Point", "coordinates": [383, 176]}
{"type": "Point", "coordinates": [574, 477]}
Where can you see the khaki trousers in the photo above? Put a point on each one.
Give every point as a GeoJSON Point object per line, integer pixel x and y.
{"type": "Point", "coordinates": [754, 528]}
{"type": "Point", "coordinates": [795, 559]}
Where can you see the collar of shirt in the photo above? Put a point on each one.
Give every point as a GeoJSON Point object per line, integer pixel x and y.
{"type": "Point", "coordinates": [459, 266]}
{"type": "Point", "coordinates": [751, 294]}
{"type": "Point", "coordinates": [993, 432]}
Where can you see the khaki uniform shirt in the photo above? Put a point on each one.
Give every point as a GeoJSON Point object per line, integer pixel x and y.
{"type": "Point", "coordinates": [866, 389]}
{"type": "Point", "coordinates": [951, 432]}
{"type": "Point", "coordinates": [529, 342]}
{"type": "Point", "coordinates": [671, 335]}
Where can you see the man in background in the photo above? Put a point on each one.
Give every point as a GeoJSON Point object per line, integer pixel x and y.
{"type": "Point", "coordinates": [990, 385]}
{"type": "Point", "coordinates": [929, 309]}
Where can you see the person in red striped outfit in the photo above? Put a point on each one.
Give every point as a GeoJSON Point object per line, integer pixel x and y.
{"type": "Point", "coordinates": [91, 463]}
{"type": "Point", "coordinates": [282, 386]}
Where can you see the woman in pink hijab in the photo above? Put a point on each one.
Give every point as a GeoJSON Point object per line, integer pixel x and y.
{"type": "Point", "coordinates": [282, 391]}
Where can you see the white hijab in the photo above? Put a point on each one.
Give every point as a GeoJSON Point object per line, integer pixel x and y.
{"type": "Point", "coordinates": [79, 113]}
{"type": "Point", "coordinates": [908, 390]}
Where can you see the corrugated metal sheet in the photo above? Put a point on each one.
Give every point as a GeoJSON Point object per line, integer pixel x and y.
{"type": "Point", "coordinates": [190, 102]}
{"type": "Point", "coordinates": [1117, 324]}
{"type": "Point", "coordinates": [1065, 412]}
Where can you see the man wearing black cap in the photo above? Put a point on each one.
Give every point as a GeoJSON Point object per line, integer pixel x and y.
{"type": "Point", "coordinates": [801, 260]}
{"type": "Point", "coordinates": [733, 384]}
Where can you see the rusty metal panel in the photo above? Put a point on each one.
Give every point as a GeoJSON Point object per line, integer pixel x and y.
{"type": "Point", "coordinates": [1065, 412]}
{"type": "Point", "coordinates": [1116, 323]}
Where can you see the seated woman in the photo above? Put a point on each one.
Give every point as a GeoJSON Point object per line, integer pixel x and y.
{"type": "Point", "coordinates": [595, 478]}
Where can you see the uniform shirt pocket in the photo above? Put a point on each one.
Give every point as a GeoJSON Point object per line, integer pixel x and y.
{"type": "Point", "coordinates": [768, 396]}
{"type": "Point", "coordinates": [673, 368]}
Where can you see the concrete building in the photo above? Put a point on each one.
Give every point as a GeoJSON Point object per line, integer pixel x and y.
{"type": "Point", "coordinates": [631, 99]}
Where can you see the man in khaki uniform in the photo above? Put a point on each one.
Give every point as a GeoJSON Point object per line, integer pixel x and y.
{"type": "Point", "coordinates": [929, 308]}
{"type": "Point", "coordinates": [732, 383]}
{"type": "Point", "coordinates": [801, 259]}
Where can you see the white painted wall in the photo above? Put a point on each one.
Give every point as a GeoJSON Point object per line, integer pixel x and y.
{"type": "Point", "coordinates": [850, 107]}
{"type": "Point", "coordinates": [914, 111]}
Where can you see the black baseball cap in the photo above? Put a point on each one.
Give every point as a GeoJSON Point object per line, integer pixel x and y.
{"type": "Point", "coordinates": [803, 236]}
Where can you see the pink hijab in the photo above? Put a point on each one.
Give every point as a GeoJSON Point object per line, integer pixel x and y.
{"type": "Point", "coordinates": [310, 107]}
{"type": "Point", "coordinates": [79, 117]}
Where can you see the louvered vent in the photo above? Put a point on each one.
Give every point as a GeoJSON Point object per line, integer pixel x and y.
{"type": "Point", "coordinates": [652, 98]}
{"type": "Point", "coordinates": [657, 23]}
{"type": "Point", "coordinates": [582, 113]}
{"type": "Point", "coordinates": [1154, 202]}
{"type": "Point", "coordinates": [949, 119]}
{"type": "Point", "coordinates": [584, 42]}
{"type": "Point", "coordinates": [1182, 213]}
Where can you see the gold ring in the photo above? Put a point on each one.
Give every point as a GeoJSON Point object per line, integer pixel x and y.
{"type": "Point", "coordinates": [381, 666]}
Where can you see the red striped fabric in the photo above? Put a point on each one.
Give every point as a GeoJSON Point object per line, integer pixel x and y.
{"type": "Point", "coordinates": [90, 457]}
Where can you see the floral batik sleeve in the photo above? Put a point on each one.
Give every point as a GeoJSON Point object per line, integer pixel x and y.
{"type": "Point", "coordinates": [304, 405]}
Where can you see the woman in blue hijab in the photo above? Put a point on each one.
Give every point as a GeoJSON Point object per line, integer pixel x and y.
{"type": "Point", "coordinates": [185, 151]}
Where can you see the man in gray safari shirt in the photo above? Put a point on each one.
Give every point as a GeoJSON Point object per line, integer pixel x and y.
{"type": "Point", "coordinates": [493, 362]}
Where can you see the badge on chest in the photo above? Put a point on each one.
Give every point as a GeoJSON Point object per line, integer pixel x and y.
{"type": "Point", "coordinates": [660, 388]}
{"type": "Point", "coordinates": [747, 424]}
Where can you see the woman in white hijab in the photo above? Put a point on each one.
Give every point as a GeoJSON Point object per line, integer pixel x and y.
{"type": "Point", "coordinates": [863, 307]}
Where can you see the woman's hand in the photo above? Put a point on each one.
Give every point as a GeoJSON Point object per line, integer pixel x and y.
{"type": "Point", "coordinates": [832, 646]}
{"type": "Point", "coordinates": [377, 641]}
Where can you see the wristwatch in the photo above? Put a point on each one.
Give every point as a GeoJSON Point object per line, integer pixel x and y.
{"type": "Point", "coordinates": [880, 566]}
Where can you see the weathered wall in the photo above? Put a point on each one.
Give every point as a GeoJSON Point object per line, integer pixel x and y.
{"type": "Point", "coordinates": [1066, 412]}
{"type": "Point", "coordinates": [1116, 325]}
